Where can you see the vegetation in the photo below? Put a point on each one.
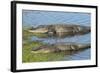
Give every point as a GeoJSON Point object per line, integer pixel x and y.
{"type": "Point", "coordinates": [29, 56]}
{"type": "Point", "coordinates": [40, 35]}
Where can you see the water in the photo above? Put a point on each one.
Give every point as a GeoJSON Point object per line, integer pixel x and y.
{"type": "Point", "coordinates": [83, 55]}
{"type": "Point", "coordinates": [52, 40]}
{"type": "Point", "coordinates": [36, 18]}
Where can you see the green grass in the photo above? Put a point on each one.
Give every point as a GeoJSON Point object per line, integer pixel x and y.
{"type": "Point", "coordinates": [40, 35]}
{"type": "Point", "coordinates": [29, 56]}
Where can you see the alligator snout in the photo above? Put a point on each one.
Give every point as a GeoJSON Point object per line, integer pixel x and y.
{"type": "Point", "coordinates": [83, 30]}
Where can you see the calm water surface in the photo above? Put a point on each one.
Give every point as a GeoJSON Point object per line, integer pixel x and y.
{"type": "Point", "coordinates": [36, 18]}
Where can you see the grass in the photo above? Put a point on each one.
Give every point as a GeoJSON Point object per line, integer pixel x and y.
{"type": "Point", "coordinates": [40, 35]}
{"type": "Point", "coordinates": [29, 56]}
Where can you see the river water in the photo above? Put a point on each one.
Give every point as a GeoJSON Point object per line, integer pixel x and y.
{"type": "Point", "coordinates": [36, 18]}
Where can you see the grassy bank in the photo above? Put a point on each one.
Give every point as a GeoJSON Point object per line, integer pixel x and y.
{"type": "Point", "coordinates": [29, 56]}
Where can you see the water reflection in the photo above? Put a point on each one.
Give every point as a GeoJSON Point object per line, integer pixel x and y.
{"type": "Point", "coordinates": [68, 55]}
{"type": "Point", "coordinates": [51, 40]}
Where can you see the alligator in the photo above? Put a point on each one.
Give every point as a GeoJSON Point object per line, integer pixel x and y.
{"type": "Point", "coordinates": [60, 47]}
{"type": "Point", "coordinates": [61, 29]}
